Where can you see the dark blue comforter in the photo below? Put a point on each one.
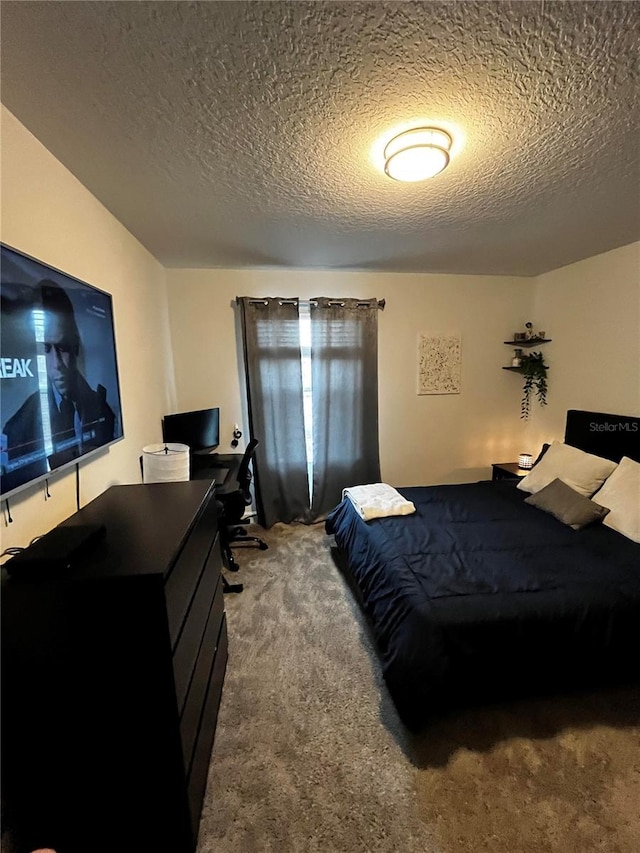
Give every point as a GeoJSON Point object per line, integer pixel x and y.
{"type": "Point", "coordinates": [480, 595]}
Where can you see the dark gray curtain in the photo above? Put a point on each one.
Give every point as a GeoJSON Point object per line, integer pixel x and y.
{"type": "Point", "coordinates": [344, 377]}
{"type": "Point", "coordinates": [271, 337]}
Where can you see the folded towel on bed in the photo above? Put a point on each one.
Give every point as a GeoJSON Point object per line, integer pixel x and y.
{"type": "Point", "coordinates": [377, 500]}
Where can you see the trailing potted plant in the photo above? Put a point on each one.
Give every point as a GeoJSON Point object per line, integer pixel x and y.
{"type": "Point", "coordinates": [535, 370]}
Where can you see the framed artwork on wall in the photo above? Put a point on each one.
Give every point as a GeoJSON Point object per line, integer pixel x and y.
{"type": "Point", "coordinates": [439, 363]}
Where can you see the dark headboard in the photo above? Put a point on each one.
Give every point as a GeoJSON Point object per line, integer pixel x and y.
{"type": "Point", "coordinates": [611, 436]}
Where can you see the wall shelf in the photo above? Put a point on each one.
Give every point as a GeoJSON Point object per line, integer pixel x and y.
{"type": "Point", "coordinates": [531, 342]}
{"type": "Point", "coordinates": [514, 369]}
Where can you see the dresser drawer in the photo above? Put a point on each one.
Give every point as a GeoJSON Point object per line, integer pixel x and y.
{"type": "Point", "coordinates": [197, 695]}
{"type": "Point", "coordinates": [197, 778]}
{"type": "Point", "coordinates": [190, 640]}
{"type": "Point", "coordinates": [183, 579]}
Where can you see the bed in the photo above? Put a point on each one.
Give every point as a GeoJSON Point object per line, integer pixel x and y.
{"type": "Point", "coordinates": [480, 596]}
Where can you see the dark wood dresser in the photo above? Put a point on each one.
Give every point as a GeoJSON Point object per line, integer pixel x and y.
{"type": "Point", "coordinates": [112, 676]}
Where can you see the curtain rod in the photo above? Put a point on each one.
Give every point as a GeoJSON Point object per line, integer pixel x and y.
{"type": "Point", "coordinates": [360, 304]}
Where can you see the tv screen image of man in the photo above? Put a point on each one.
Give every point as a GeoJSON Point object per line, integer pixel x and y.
{"type": "Point", "coordinates": [65, 418]}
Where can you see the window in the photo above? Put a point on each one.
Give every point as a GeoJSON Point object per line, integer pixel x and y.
{"type": "Point", "coordinates": [307, 388]}
{"type": "Point", "coordinates": [312, 389]}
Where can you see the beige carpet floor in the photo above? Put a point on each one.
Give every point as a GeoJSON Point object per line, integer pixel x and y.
{"type": "Point", "coordinates": [311, 756]}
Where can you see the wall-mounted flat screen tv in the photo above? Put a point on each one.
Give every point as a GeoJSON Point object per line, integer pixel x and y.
{"type": "Point", "coordinates": [59, 389]}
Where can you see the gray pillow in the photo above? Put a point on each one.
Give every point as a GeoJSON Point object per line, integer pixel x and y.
{"type": "Point", "coordinates": [567, 505]}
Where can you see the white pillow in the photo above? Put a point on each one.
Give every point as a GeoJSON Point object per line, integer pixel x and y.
{"type": "Point", "coordinates": [621, 493]}
{"type": "Point", "coordinates": [582, 471]}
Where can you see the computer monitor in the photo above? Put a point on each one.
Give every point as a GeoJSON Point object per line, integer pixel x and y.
{"type": "Point", "coordinates": [200, 430]}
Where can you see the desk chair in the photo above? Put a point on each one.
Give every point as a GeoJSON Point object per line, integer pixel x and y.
{"type": "Point", "coordinates": [233, 500]}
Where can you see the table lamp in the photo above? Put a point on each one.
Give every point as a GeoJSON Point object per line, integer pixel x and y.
{"type": "Point", "coordinates": [165, 463]}
{"type": "Point", "coordinates": [525, 461]}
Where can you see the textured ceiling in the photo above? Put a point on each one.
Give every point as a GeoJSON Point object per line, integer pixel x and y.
{"type": "Point", "coordinates": [249, 134]}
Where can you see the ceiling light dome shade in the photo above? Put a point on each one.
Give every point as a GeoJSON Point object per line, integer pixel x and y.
{"type": "Point", "coordinates": [417, 154]}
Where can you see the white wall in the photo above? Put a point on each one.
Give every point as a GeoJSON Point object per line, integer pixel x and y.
{"type": "Point", "coordinates": [591, 310]}
{"type": "Point", "coordinates": [423, 439]}
{"type": "Point", "coordinates": [48, 214]}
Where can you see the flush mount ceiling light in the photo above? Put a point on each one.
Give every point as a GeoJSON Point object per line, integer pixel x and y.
{"type": "Point", "coordinates": [417, 154]}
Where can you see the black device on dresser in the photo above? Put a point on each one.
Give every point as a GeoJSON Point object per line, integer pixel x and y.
{"type": "Point", "coordinates": [112, 676]}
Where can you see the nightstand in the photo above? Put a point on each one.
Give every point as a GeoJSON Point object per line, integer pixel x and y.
{"type": "Point", "coordinates": [507, 471]}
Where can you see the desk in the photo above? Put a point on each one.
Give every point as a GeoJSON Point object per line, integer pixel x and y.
{"type": "Point", "coordinates": [221, 467]}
